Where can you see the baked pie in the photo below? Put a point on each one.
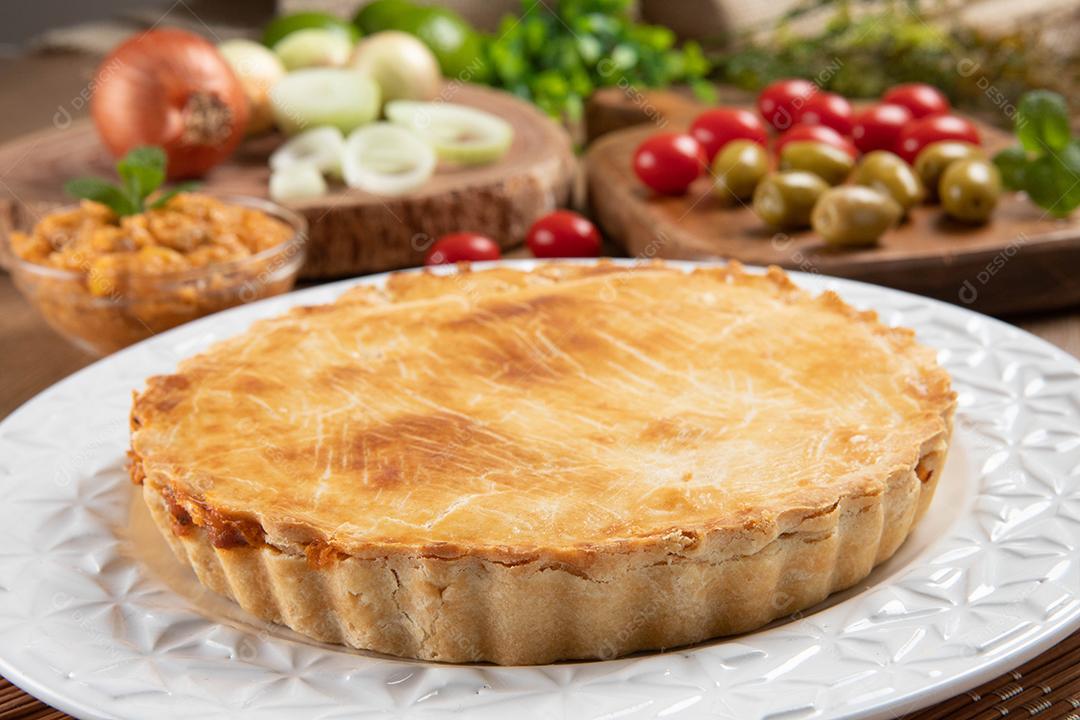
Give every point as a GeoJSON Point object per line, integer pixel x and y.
{"type": "Point", "coordinates": [577, 461]}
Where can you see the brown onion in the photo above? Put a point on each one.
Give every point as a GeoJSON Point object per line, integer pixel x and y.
{"type": "Point", "coordinates": [174, 89]}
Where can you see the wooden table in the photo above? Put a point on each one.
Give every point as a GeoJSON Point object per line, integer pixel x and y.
{"type": "Point", "coordinates": [33, 357]}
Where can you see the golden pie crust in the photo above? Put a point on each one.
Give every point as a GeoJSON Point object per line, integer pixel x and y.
{"type": "Point", "coordinates": [578, 461]}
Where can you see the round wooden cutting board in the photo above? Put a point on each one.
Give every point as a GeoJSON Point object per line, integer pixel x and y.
{"type": "Point", "coordinates": [351, 232]}
{"type": "Point", "coordinates": [1022, 260]}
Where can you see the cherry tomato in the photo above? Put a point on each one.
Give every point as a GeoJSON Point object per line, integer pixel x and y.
{"type": "Point", "coordinates": [563, 234]}
{"type": "Point", "coordinates": [921, 99]}
{"type": "Point", "coordinates": [815, 133]}
{"type": "Point", "coordinates": [780, 102]}
{"type": "Point", "coordinates": [717, 127]}
{"type": "Point", "coordinates": [878, 127]}
{"type": "Point", "coordinates": [919, 133]}
{"type": "Point", "coordinates": [828, 109]}
{"type": "Point", "coordinates": [669, 162]}
{"type": "Point", "coordinates": [459, 246]}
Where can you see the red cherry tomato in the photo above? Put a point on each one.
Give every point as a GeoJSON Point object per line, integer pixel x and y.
{"type": "Point", "coordinates": [828, 109]}
{"type": "Point", "coordinates": [669, 162]}
{"type": "Point", "coordinates": [921, 99]}
{"type": "Point", "coordinates": [815, 133]}
{"type": "Point", "coordinates": [563, 234]}
{"type": "Point", "coordinates": [780, 102]}
{"type": "Point", "coordinates": [459, 246]}
{"type": "Point", "coordinates": [917, 134]}
{"type": "Point", "coordinates": [717, 127]}
{"type": "Point", "coordinates": [878, 127]}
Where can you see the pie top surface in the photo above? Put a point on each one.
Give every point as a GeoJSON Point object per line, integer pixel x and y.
{"type": "Point", "coordinates": [507, 412]}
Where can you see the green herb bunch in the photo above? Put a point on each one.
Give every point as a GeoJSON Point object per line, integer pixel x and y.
{"type": "Point", "coordinates": [141, 171]}
{"type": "Point", "coordinates": [856, 56]}
{"type": "Point", "coordinates": [1046, 163]}
{"type": "Point", "coordinates": [557, 55]}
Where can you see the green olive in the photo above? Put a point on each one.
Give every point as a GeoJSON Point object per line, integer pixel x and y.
{"type": "Point", "coordinates": [738, 168]}
{"type": "Point", "coordinates": [785, 199]}
{"type": "Point", "coordinates": [888, 173]}
{"type": "Point", "coordinates": [969, 189]}
{"type": "Point", "coordinates": [828, 162]}
{"type": "Point", "coordinates": [854, 215]}
{"type": "Point", "coordinates": [935, 157]}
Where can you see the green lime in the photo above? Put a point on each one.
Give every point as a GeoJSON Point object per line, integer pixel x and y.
{"type": "Point", "coordinates": [284, 25]}
{"type": "Point", "coordinates": [459, 48]}
{"type": "Point", "coordinates": [382, 15]}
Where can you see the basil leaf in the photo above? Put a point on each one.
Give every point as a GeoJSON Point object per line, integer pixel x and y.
{"type": "Point", "coordinates": [1069, 160]}
{"type": "Point", "coordinates": [147, 156]}
{"type": "Point", "coordinates": [142, 170]}
{"type": "Point", "coordinates": [1042, 121]}
{"type": "Point", "coordinates": [172, 192]}
{"type": "Point", "coordinates": [1011, 163]}
{"type": "Point", "coordinates": [1053, 181]}
{"type": "Point", "coordinates": [99, 191]}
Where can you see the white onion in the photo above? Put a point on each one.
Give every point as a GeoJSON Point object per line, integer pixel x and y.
{"type": "Point", "coordinates": [403, 66]}
{"type": "Point", "coordinates": [387, 159]}
{"type": "Point", "coordinates": [297, 182]}
{"type": "Point", "coordinates": [344, 99]}
{"type": "Point", "coordinates": [258, 70]}
{"type": "Point", "coordinates": [459, 133]}
{"type": "Point", "coordinates": [314, 47]}
{"type": "Point", "coordinates": [321, 147]}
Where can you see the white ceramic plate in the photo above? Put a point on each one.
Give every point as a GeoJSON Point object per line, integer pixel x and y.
{"type": "Point", "coordinates": [97, 618]}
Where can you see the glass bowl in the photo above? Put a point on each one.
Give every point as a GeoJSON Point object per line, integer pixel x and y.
{"type": "Point", "coordinates": [152, 303]}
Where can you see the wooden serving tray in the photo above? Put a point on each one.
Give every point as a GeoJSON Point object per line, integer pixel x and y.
{"type": "Point", "coordinates": [351, 232]}
{"type": "Point", "coordinates": [1022, 260]}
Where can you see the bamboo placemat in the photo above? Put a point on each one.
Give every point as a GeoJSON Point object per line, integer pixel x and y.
{"type": "Point", "coordinates": [1046, 688]}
